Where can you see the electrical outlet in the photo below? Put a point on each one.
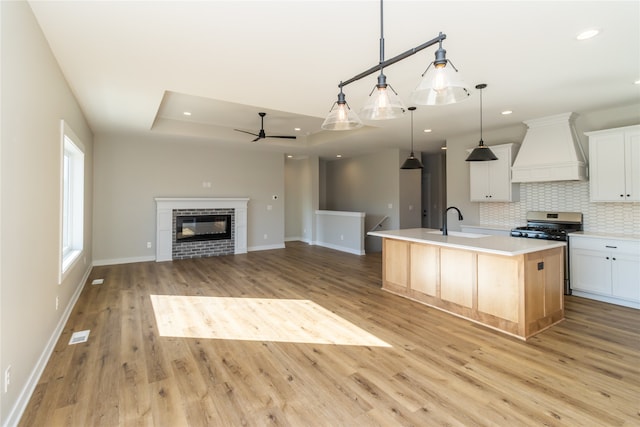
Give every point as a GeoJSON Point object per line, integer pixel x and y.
{"type": "Point", "coordinates": [7, 378]}
{"type": "Point", "coordinates": [148, 245]}
{"type": "Point", "coordinates": [57, 303]}
{"type": "Point", "coordinates": [342, 237]}
{"type": "Point", "coordinates": [266, 237]}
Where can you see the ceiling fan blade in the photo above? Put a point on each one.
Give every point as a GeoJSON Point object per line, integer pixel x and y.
{"type": "Point", "coordinates": [256, 139]}
{"type": "Point", "coordinates": [281, 136]}
{"type": "Point", "coordinates": [244, 131]}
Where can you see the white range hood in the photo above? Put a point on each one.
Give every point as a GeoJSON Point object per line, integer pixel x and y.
{"type": "Point", "coordinates": [550, 151]}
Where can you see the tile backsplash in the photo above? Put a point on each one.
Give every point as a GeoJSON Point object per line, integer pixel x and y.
{"type": "Point", "coordinates": [564, 196]}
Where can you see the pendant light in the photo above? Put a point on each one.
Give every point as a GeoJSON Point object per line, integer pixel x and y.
{"type": "Point", "coordinates": [384, 102]}
{"type": "Point", "coordinates": [441, 83]}
{"type": "Point", "coordinates": [341, 117]}
{"type": "Point", "coordinates": [481, 153]}
{"type": "Point", "coordinates": [412, 161]}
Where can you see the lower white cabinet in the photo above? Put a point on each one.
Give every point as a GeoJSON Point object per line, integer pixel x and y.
{"type": "Point", "coordinates": [605, 268]}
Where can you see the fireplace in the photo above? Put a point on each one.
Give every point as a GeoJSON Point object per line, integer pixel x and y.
{"type": "Point", "coordinates": [168, 209]}
{"type": "Point", "coordinates": [195, 228]}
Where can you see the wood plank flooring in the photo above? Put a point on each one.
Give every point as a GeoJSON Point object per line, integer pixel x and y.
{"type": "Point", "coordinates": [438, 370]}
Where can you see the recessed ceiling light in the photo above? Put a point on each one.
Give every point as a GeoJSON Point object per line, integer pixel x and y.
{"type": "Point", "coordinates": [187, 113]}
{"type": "Point", "coordinates": [427, 130]}
{"type": "Point", "coordinates": [444, 147]}
{"type": "Point", "coordinates": [289, 156]}
{"type": "Point", "coordinates": [338, 155]}
{"type": "Point", "coordinates": [506, 112]}
{"type": "Point", "coordinates": [587, 34]}
{"type": "Point", "coordinates": [296, 129]}
{"type": "Point", "coordinates": [637, 82]}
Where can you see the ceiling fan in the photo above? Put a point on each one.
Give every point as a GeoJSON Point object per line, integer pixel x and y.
{"type": "Point", "coordinates": [261, 134]}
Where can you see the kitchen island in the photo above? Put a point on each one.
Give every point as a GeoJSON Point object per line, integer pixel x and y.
{"type": "Point", "coordinates": [509, 284]}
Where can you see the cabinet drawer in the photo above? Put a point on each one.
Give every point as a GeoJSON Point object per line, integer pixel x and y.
{"type": "Point", "coordinates": [609, 245]}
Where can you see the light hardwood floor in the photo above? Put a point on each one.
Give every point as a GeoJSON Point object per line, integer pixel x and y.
{"type": "Point", "coordinates": [437, 370]}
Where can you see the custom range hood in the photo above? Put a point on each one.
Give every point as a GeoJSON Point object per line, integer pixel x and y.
{"type": "Point", "coordinates": [550, 151]}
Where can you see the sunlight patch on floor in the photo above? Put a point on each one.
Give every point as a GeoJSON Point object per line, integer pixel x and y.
{"type": "Point", "coordinates": [255, 319]}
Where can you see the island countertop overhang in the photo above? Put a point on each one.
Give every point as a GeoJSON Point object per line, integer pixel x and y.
{"type": "Point", "coordinates": [499, 245]}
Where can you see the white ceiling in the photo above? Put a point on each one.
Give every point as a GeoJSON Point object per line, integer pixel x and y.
{"type": "Point", "coordinates": [137, 66]}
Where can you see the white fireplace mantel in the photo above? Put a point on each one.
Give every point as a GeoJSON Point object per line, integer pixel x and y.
{"type": "Point", "coordinates": [164, 220]}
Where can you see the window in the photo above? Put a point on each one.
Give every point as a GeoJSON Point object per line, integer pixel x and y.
{"type": "Point", "coordinates": [72, 199]}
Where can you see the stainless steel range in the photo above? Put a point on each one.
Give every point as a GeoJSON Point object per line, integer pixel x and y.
{"type": "Point", "coordinates": [552, 226]}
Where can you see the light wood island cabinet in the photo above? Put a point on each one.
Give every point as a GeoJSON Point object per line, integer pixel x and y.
{"type": "Point", "coordinates": [518, 292]}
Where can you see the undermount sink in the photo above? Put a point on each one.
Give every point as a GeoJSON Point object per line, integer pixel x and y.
{"type": "Point", "coordinates": [460, 234]}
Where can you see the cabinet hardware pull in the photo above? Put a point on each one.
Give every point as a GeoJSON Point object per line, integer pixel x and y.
{"type": "Point", "coordinates": [622, 195]}
{"type": "Point", "coordinates": [612, 247]}
{"type": "Point", "coordinates": [628, 195]}
{"type": "Point", "coordinates": [607, 258]}
{"type": "Point", "coordinates": [613, 259]}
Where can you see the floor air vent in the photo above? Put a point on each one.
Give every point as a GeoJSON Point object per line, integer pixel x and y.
{"type": "Point", "coordinates": [97, 282]}
{"type": "Point", "coordinates": [79, 337]}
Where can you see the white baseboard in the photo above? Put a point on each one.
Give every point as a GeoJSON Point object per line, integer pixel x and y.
{"type": "Point", "coordinates": [23, 399]}
{"type": "Point", "coordinates": [266, 247]}
{"type": "Point", "coordinates": [115, 261]}
{"type": "Point", "coordinates": [298, 239]}
{"type": "Point", "coordinates": [340, 248]}
{"type": "Point", "coordinates": [604, 298]}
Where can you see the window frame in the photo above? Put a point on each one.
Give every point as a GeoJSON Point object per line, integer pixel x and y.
{"type": "Point", "coordinates": [72, 178]}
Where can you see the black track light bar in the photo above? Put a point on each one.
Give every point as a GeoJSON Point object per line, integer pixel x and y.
{"type": "Point", "coordinates": [393, 60]}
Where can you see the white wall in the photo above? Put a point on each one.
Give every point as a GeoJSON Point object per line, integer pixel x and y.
{"type": "Point", "coordinates": [570, 196]}
{"type": "Point", "coordinates": [34, 97]}
{"type": "Point", "coordinates": [130, 171]}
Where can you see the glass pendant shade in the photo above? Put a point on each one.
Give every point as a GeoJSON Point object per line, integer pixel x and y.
{"type": "Point", "coordinates": [383, 103]}
{"type": "Point", "coordinates": [441, 84]}
{"type": "Point", "coordinates": [341, 117]}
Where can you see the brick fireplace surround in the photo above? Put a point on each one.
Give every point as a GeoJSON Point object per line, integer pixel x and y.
{"type": "Point", "coordinates": [165, 207]}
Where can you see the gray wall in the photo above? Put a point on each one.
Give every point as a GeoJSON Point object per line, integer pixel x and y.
{"type": "Point", "coordinates": [34, 98]}
{"type": "Point", "coordinates": [302, 198]}
{"type": "Point", "coordinates": [433, 189]}
{"type": "Point", "coordinates": [131, 171]}
{"type": "Point", "coordinates": [370, 184]}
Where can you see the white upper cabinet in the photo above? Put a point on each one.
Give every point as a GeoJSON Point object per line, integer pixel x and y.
{"type": "Point", "coordinates": [491, 181]}
{"type": "Point", "coordinates": [614, 164]}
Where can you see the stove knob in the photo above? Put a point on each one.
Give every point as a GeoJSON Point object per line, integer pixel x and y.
{"type": "Point", "coordinates": [523, 234]}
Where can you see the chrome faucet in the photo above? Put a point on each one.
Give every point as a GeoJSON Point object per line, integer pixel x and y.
{"type": "Point", "coordinates": [444, 219]}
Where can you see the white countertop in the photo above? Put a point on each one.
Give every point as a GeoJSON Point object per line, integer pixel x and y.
{"type": "Point", "coordinates": [498, 227]}
{"type": "Point", "coordinates": [500, 245]}
{"type": "Point", "coordinates": [597, 235]}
